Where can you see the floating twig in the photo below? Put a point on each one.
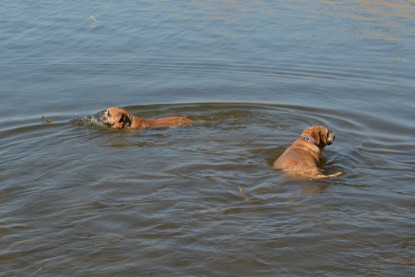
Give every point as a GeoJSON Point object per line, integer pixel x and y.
{"type": "Point", "coordinates": [243, 193]}
{"type": "Point", "coordinates": [103, 203]}
{"type": "Point", "coordinates": [37, 271]}
{"type": "Point", "coordinates": [47, 120]}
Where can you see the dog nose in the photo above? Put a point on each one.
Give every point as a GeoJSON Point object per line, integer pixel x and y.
{"type": "Point", "coordinates": [102, 117]}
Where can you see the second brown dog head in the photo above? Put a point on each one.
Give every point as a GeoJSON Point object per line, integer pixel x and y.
{"type": "Point", "coordinates": [117, 118]}
{"type": "Point", "coordinates": [318, 135]}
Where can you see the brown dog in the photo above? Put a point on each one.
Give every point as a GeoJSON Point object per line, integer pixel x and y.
{"type": "Point", "coordinates": [119, 118]}
{"type": "Point", "coordinates": [304, 156]}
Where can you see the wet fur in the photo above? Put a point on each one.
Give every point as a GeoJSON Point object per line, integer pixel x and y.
{"type": "Point", "coordinates": [304, 157]}
{"type": "Point", "coordinates": [119, 118]}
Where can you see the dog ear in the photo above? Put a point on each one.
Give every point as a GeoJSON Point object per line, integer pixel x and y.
{"type": "Point", "coordinates": [316, 136]}
{"type": "Point", "coordinates": [125, 120]}
{"type": "Point", "coordinates": [323, 135]}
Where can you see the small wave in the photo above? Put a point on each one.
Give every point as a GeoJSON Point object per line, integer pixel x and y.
{"type": "Point", "coordinates": [90, 121]}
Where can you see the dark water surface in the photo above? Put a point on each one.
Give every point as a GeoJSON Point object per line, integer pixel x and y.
{"type": "Point", "coordinates": [78, 199]}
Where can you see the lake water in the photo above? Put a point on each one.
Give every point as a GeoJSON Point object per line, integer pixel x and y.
{"type": "Point", "coordinates": [78, 199]}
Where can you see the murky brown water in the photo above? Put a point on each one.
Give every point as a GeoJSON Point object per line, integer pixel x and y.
{"type": "Point", "coordinates": [205, 200]}
{"type": "Point", "coordinates": [78, 199]}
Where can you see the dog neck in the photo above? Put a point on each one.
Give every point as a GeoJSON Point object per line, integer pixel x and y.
{"type": "Point", "coordinates": [309, 140]}
{"type": "Point", "coordinates": [139, 123]}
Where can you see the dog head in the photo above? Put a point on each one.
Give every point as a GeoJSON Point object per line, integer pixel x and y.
{"type": "Point", "coordinates": [318, 135]}
{"type": "Point", "coordinates": [117, 118]}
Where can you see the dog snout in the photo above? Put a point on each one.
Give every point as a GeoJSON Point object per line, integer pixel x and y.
{"type": "Point", "coordinates": [331, 136]}
{"type": "Point", "coordinates": [102, 117]}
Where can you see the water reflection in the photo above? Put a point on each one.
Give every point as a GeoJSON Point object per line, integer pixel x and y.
{"type": "Point", "coordinates": [376, 19]}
